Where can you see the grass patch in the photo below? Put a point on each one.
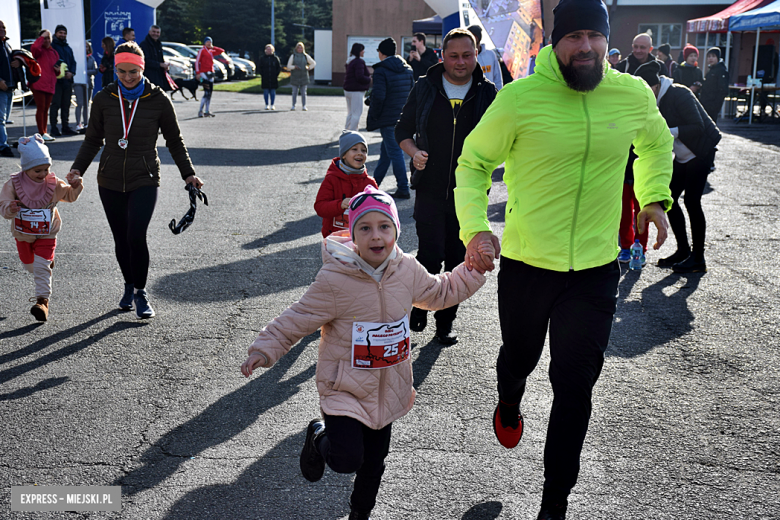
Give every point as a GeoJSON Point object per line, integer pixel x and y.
{"type": "Point", "coordinates": [255, 86]}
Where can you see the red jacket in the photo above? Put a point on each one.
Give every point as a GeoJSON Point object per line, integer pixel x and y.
{"type": "Point", "coordinates": [46, 58]}
{"type": "Point", "coordinates": [205, 60]}
{"type": "Point", "coordinates": [337, 186]}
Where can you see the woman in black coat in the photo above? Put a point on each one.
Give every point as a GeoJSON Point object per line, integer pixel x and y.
{"type": "Point", "coordinates": [695, 138]}
{"type": "Point", "coordinates": [107, 61]}
{"type": "Point", "coordinates": [270, 67]}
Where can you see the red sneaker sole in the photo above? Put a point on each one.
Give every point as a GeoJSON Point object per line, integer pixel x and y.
{"type": "Point", "coordinates": [507, 437]}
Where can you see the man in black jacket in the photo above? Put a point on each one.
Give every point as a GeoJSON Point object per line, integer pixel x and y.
{"type": "Point", "coordinates": [6, 89]}
{"type": "Point", "coordinates": [155, 60]}
{"type": "Point", "coordinates": [63, 90]}
{"type": "Point", "coordinates": [716, 84]}
{"type": "Point", "coordinates": [640, 54]}
{"type": "Point", "coordinates": [442, 109]}
{"type": "Point", "coordinates": [421, 58]}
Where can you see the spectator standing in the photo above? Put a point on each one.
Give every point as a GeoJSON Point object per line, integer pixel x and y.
{"type": "Point", "coordinates": [84, 91]}
{"type": "Point", "coordinates": [270, 67]}
{"type": "Point", "coordinates": [43, 90]}
{"type": "Point", "coordinates": [204, 70]}
{"type": "Point", "coordinates": [128, 35]}
{"type": "Point", "coordinates": [421, 58]}
{"type": "Point", "coordinates": [558, 271]}
{"type": "Point", "coordinates": [688, 72]}
{"type": "Point", "coordinates": [156, 68]}
{"type": "Point", "coordinates": [63, 89]}
{"type": "Point", "coordinates": [640, 53]}
{"type": "Point", "coordinates": [665, 55]}
{"type": "Point", "coordinates": [443, 107]}
{"type": "Point", "coordinates": [716, 84]}
{"type": "Point", "coordinates": [695, 138]}
{"type": "Point", "coordinates": [299, 66]}
{"type": "Point", "coordinates": [6, 89]}
{"type": "Point", "coordinates": [613, 57]}
{"type": "Point", "coordinates": [487, 59]}
{"type": "Point", "coordinates": [393, 79]}
{"type": "Point", "coordinates": [356, 83]}
{"type": "Point", "coordinates": [107, 61]}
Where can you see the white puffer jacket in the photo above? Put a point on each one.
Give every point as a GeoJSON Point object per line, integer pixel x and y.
{"type": "Point", "coordinates": [342, 294]}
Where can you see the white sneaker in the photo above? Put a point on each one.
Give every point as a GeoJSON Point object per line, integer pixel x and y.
{"type": "Point", "coordinates": [305, 109]}
{"type": "Point", "coordinates": [47, 137]}
{"type": "Point", "coordinates": [293, 108]}
{"type": "Point", "coordinates": [268, 107]}
{"type": "Point", "coordinates": [80, 127]}
{"type": "Point", "coordinates": [273, 107]}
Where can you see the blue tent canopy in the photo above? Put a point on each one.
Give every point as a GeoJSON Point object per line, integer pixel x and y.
{"type": "Point", "coordinates": [767, 17]}
{"type": "Point", "coordinates": [430, 25]}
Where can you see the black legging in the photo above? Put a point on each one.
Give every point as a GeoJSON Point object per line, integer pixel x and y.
{"type": "Point", "coordinates": [690, 178]}
{"type": "Point", "coordinates": [128, 216]}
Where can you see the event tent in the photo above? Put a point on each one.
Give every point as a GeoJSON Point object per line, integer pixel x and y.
{"type": "Point", "coordinates": [719, 22]}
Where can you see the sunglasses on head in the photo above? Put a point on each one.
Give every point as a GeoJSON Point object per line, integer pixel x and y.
{"type": "Point", "coordinates": [360, 199]}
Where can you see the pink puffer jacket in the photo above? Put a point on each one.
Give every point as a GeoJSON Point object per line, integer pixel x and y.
{"type": "Point", "coordinates": [342, 294]}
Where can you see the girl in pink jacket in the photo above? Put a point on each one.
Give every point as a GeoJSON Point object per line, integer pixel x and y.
{"type": "Point", "coordinates": [29, 199]}
{"type": "Point", "coordinates": [361, 299]}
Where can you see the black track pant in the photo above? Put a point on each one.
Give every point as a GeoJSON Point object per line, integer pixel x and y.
{"type": "Point", "coordinates": [60, 102]}
{"type": "Point", "coordinates": [439, 242]}
{"type": "Point", "coordinates": [350, 446]}
{"type": "Point", "coordinates": [128, 216]}
{"type": "Point", "coordinates": [690, 178]}
{"type": "Point", "coordinates": [578, 307]}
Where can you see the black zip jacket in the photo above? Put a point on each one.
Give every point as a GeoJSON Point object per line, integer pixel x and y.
{"type": "Point", "coordinates": [630, 64]}
{"type": "Point", "coordinates": [715, 89]}
{"type": "Point", "coordinates": [681, 109]}
{"type": "Point", "coordinates": [439, 129]}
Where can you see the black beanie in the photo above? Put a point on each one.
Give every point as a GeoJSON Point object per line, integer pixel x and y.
{"type": "Point", "coordinates": [715, 51]}
{"type": "Point", "coordinates": [579, 15]}
{"type": "Point", "coordinates": [665, 48]}
{"type": "Point", "coordinates": [649, 72]}
{"type": "Point", "coordinates": [387, 47]}
{"type": "Point", "coordinates": [476, 30]}
{"type": "Point", "coordinates": [60, 28]}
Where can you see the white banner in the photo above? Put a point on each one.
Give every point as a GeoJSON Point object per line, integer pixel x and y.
{"type": "Point", "coordinates": [10, 17]}
{"type": "Point", "coordinates": [69, 13]}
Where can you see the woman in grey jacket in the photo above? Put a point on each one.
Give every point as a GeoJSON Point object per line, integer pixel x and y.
{"type": "Point", "coordinates": [299, 66]}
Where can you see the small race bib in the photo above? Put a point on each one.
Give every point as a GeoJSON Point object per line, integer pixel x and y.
{"type": "Point", "coordinates": [341, 222]}
{"type": "Point", "coordinates": [33, 221]}
{"type": "Point", "coordinates": [380, 345]}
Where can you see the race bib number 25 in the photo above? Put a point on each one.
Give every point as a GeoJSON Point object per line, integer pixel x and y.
{"type": "Point", "coordinates": [380, 345]}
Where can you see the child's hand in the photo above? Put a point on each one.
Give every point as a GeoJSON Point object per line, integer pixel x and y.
{"type": "Point", "coordinates": [254, 360]}
{"type": "Point", "coordinates": [14, 206]}
{"type": "Point", "coordinates": [74, 179]}
{"type": "Point", "coordinates": [487, 249]}
{"type": "Point", "coordinates": [345, 203]}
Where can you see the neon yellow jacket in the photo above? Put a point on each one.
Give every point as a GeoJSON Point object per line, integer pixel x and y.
{"type": "Point", "coordinates": [566, 154]}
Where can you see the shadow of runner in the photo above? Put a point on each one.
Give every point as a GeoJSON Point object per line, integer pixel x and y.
{"type": "Point", "coordinates": [218, 423]}
{"type": "Point", "coordinates": [269, 486]}
{"type": "Point", "coordinates": [288, 232]}
{"type": "Point", "coordinates": [46, 384]}
{"type": "Point", "coordinates": [655, 318]}
{"type": "Point", "coordinates": [422, 366]}
{"type": "Point", "coordinates": [253, 157]}
{"type": "Point", "coordinates": [484, 511]}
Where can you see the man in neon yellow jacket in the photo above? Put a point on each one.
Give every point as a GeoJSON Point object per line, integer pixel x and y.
{"type": "Point", "coordinates": [564, 132]}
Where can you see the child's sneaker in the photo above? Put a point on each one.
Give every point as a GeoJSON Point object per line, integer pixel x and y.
{"type": "Point", "coordinates": [41, 308]}
{"type": "Point", "coordinates": [312, 463]}
{"type": "Point", "coordinates": [625, 256]}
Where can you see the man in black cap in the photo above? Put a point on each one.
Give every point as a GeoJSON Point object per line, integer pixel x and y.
{"type": "Point", "coordinates": [63, 90]}
{"type": "Point", "coordinates": [393, 79]}
{"type": "Point", "coordinates": [665, 56]}
{"type": "Point", "coordinates": [564, 132]}
{"type": "Point", "coordinates": [640, 53]}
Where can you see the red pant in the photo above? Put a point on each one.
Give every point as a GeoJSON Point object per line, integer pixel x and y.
{"type": "Point", "coordinates": [43, 247]}
{"type": "Point", "coordinates": [628, 220]}
{"type": "Point", "coordinates": [42, 104]}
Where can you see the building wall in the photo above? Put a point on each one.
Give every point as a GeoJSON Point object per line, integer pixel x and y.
{"type": "Point", "coordinates": [366, 18]}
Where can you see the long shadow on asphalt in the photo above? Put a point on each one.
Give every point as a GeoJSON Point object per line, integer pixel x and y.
{"type": "Point", "coordinates": [46, 384]}
{"type": "Point", "coordinates": [654, 319]}
{"type": "Point", "coordinates": [258, 157]}
{"type": "Point", "coordinates": [484, 511]}
{"type": "Point", "coordinates": [218, 423]}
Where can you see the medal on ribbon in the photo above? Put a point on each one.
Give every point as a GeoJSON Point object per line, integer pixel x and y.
{"type": "Point", "coordinates": [126, 125]}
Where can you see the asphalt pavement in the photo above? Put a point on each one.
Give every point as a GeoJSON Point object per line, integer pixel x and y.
{"type": "Point", "coordinates": [686, 413]}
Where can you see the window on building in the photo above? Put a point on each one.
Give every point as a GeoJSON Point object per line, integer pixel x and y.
{"type": "Point", "coordinates": [670, 33]}
{"type": "Point", "coordinates": [714, 40]}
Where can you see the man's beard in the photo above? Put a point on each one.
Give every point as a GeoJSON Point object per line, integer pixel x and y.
{"type": "Point", "coordinates": [582, 79]}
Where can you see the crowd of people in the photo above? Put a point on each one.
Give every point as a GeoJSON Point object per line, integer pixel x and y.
{"type": "Point", "coordinates": [561, 247]}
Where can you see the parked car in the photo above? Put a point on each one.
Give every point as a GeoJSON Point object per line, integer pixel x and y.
{"type": "Point", "coordinates": [224, 59]}
{"type": "Point", "coordinates": [251, 68]}
{"type": "Point", "coordinates": [180, 67]}
{"type": "Point", "coordinates": [191, 51]}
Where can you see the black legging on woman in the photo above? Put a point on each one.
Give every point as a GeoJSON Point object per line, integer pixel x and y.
{"type": "Point", "coordinates": [129, 214]}
{"type": "Point", "coordinates": [690, 178]}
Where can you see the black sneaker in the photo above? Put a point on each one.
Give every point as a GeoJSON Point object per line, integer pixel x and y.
{"type": "Point", "coordinates": [552, 512]}
{"type": "Point", "coordinates": [66, 130]}
{"type": "Point", "coordinates": [401, 194]}
{"type": "Point", "coordinates": [55, 131]}
{"type": "Point", "coordinates": [444, 334]}
{"type": "Point", "coordinates": [354, 515]}
{"type": "Point", "coordinates": [312, 463]}
{"type": "Point", "coordinates": [690, 265]}
{"type": "Point", "coordinates": [418, 319]}
{"type": "Point", "coordinates": [669, 261]}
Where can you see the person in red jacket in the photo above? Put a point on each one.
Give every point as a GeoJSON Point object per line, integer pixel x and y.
{"type": "Point", "coordinates": [204, 72]}
{"type": "Point", "coordinates": [347, 176]}
{"type": "Point", "coordinates": [43, 89]}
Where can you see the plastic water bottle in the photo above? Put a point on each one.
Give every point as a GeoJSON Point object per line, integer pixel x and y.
{"type": "Point", "coordinates": [635, 264]}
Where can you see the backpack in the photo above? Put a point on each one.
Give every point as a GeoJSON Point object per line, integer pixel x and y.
{"type": "Point", "coordinates": [32, 69]}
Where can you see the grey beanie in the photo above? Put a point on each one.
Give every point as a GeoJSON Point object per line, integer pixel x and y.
{"type": "Point", "coordinates": [33, 152]}
{"type": "Point", "coordinates": [349, 139]}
